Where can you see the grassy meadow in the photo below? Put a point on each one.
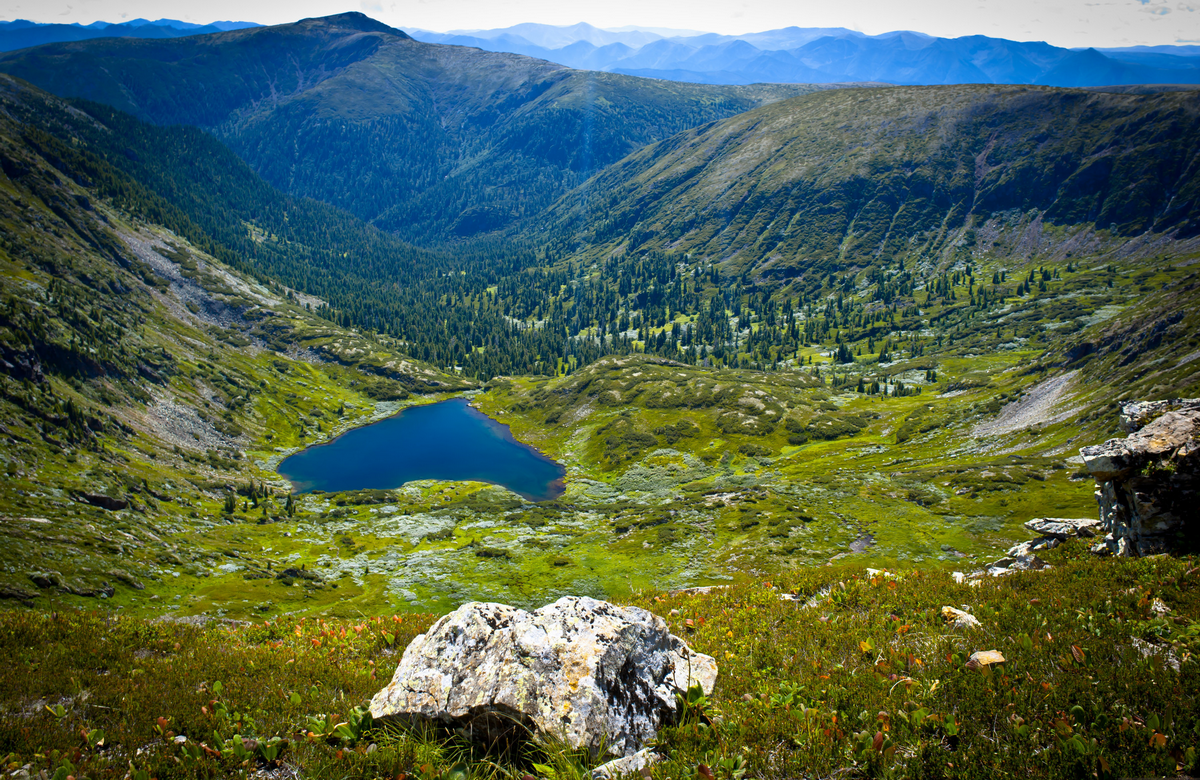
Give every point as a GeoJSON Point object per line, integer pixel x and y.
{"type": "Point", "coordinates": [829, 671]}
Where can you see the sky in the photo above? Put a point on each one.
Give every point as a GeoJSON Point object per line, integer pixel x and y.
{"type": "Point", "coordinates": [1071, 23]}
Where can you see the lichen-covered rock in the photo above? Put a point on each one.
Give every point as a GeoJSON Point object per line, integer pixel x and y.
{"type": "Point", "coordinates": [958, 618]}
{"type": "Point", "coordinates": [587, 672]}
{"type": "Point", "coordinates": [1117, 458]}
{"type": "Point", "coordinates": [1148, 483]}
{"type": "Point", "coordinates": [1139, 414]}
{"type": "Point", "coordinates": [1063, 528]}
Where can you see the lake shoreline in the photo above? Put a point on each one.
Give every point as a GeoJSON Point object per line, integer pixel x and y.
{"type": "Point", "coordinates": [452, 441]}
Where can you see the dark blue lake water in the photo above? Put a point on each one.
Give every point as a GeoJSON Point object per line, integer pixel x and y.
{"type": "Point", "coordinates": [447, 440]}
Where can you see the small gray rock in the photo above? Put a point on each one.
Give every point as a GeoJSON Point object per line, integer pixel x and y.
{"type": "Point", "coordinates": [1025, 549]}
{"type": "Point", "coordinates": [1147, 650]}
{"type": "Point", "coordinates": [1064, 528]}
{"type": "Point", "coordinates": [1016, 563]}
{"type": "Point", "coordinates": [626, 766]}
{"type": "Point", "coordinates": [1028, 563]}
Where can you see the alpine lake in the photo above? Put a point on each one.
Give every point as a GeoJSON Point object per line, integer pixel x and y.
{"type": "Point", "coordinates": [449, 440]}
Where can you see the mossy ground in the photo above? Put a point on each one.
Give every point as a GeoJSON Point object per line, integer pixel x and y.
{"type": "Point", "coordinates": [761, 502]}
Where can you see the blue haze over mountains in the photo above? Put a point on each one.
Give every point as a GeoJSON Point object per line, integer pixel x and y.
{"type": "Point", "coordinates": [833, 55]}
{"type": "Point", "coordinates": [21, 33]}
{"type": "Point", "coordinates": [810, 55]}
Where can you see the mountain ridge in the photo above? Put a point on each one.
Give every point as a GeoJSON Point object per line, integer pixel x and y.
{"type": "Point", "coordinates": [21, 34]}
{"type": "Point", "coordinates": [444, 142]}
{"type": "Point", "coordinates": [732, 190]}
{"type": "Point", "coordinates": [893, 57]}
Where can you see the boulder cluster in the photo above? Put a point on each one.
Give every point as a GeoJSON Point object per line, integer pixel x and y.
{"type": "Point", "coordinates": [1051, 531]}
{"type": "Point", "coordinates": [1148, 483]}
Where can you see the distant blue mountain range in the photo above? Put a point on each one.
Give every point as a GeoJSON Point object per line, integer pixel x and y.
{"type": "Point", "coordinates": [21, 34]}
{"type": "Point", "coordinates": [814, 55]}
{"type": "Point", "coordinates": [832, 55]}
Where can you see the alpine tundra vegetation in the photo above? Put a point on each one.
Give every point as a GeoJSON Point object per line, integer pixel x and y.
{"type": "Point", "coordinates": [813, 359]}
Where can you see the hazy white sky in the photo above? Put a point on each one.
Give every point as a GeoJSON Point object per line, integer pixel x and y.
{"type": "Point", "coordinates": [1060, 22]}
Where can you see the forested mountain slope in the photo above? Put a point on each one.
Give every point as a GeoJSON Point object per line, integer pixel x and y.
{"type": "Point", "coordinates": [198, 188]}
{"type": "Point", "coordinates": [428, 141]}
{"type": "Point", "coordinates": [734, 405]}
{"type": "Point", "coordinates": [142, 380]}
{"type": "Point", "coordinates": [851, 178]}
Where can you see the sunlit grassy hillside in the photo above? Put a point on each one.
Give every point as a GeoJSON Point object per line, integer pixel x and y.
{"type": "Point", "coordinates": [923, 176]}
{"type": "Point", "coordinates": [822, 671]}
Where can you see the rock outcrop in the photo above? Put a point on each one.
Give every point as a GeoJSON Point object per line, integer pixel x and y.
{"type": "Point", "coordinates": [587, 672]}
{"type": "Point", "coordinates": [1148, 483]}
{"type": "Point", "coordinates": [1023, 557]}
{"type": "Point", "coordinates": [104, 502]}
{"type": "Point", "coordinates": [1061, 528]}
{"type": "Point", "coordinates": [1054, 531]}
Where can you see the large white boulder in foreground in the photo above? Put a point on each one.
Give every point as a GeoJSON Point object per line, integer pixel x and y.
{"type": "Point", "coordinates": [585, 671]}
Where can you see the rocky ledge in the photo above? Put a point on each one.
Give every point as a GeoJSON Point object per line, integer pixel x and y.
{"type": "Point", "coordinates": [1052, 531]}
{"type": "Point", "coordinates": [1148, 483]}
{"type": "Point", "coordinates": [587, 672]}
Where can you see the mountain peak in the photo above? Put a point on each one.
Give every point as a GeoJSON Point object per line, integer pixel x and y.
{"type": "Point", "coordinates": [353, 20]}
